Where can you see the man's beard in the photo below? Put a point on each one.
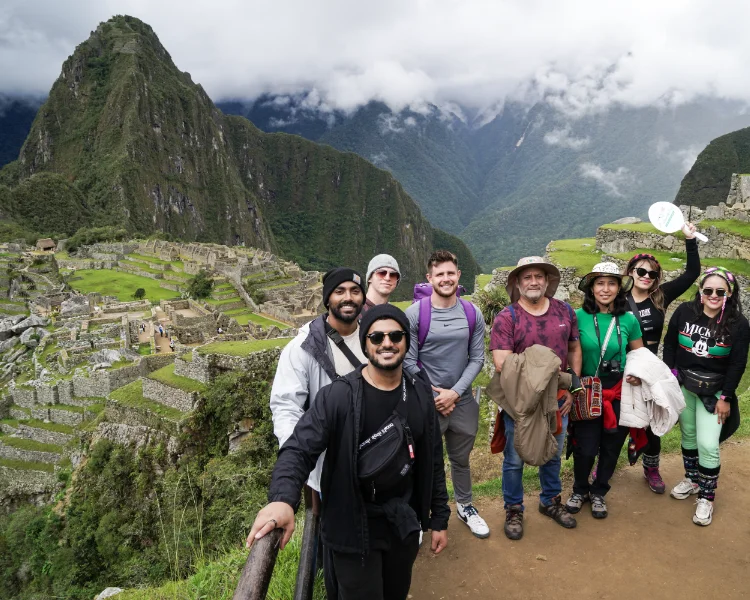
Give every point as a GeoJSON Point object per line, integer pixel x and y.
{"type": "Point", "coordinates": [336, 312]}
{"type": "Point", "coordinates": [534, 296]}
{"type": "Point", "coordinates": [385, 367]}
{"type": "Point", "coordinates": [440, 292]}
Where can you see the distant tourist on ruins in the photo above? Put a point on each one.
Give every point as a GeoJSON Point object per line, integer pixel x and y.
{"type": "Point", "coordinates": [648, 301]}
{"type": "Point", "coordinates": [449, 345]}
{"type": "Point", "coordinates": [607, 332]}
{"type": "Point", "coordinates": [383, 276]}
{"type": "Point", "coordinates": [171, 345]}
{"type": "Point", "coordinates": [326, 348]}
{"type": "Point", "coordinates": [707, 344]}
{"type": "Point", "coordinates": [535, 317]}
{"type": "Point", "coordinates": [371, 523]}
{"type": "Point", "coordinates": [161, 331]}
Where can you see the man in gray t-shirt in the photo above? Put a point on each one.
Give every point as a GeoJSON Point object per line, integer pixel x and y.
{"type": "Point", "coordinates": [452, 361]}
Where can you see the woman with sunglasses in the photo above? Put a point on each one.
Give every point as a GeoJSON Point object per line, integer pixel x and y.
{"type": "Point", "coordinates": [648, 301]}
{"type": "Point", "coordinates": [706, 344]}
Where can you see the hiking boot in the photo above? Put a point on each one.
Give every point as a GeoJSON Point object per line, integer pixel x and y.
{"type": "Point", "coordinates": [514, 522]}
{"type": "Point", "coordinates": [469, 515]}
{"type": "Point", "coordinates": [655, 482]}
{"type": "Point", "coordinates": [684, 489]}
{"type": "Point", "coordinates": [575, 502]}
{"type": "Point", "coordinates": [558, 513]}
{"type": "Point", "coordinates": [704, 511]}
{"type": "Point", "coordinates": [598, 507]}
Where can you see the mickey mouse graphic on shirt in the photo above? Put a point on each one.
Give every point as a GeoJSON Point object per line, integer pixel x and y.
{"type": "Point", "coordinates": [701, 345]}
{"type": "Point", "coordinates": [701, 342]}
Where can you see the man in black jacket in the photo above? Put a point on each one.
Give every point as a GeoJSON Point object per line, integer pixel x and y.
{"type": "Point", "coordinates": [372, 528]}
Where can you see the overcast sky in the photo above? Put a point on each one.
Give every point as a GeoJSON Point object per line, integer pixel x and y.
{"type": "Point", "coordinates": [582, 55]}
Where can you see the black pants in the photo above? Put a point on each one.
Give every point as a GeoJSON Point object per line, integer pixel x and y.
{"type": "Point", "coordinates": [589, 441]}
{"type": "Point", "coordinates": [653, 448]}
{"type": "Point", "coordinates": [380, 574]}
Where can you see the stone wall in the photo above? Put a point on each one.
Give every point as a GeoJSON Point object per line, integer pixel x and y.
{"type": "Point", "coordinates": [115, 412]}
{"type": "Point", "coordinates": [23, 396]}
{"type": "Point", "coordinates": [134, 436]}
{"type": "Point", "coordinates": [43, 435]}
{"type": "Point", "coordinates": [38, 487]}
{"type": "Point", "coordinates": [57, 415]}
{"type": "Point", "coordinates": [206, 367]}
{"type": "Point", "coordinates": [29, 455]}
{"type": "Point", "coordinates": [169, 396]}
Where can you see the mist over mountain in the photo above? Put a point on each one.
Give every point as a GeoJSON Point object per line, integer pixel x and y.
{"type": "Point", "coordinates": [16, 115]}
{"type": "Point", "coordinates": [509, 182]}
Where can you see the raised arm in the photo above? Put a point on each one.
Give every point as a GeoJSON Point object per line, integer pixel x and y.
{"type": "Point", "coordinates": [678, 286]}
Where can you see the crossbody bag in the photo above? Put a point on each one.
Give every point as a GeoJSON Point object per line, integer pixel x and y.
{"type": "Point", "coordinates": [587, 402]}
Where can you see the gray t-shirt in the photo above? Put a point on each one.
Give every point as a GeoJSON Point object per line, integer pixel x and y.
{"type": "Point", "coordinates": [449, 359]}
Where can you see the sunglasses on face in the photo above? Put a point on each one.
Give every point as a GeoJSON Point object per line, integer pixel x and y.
{"type": "Point", "coordinates": [378, 337]}
{"type": "Point", "coordinates": [643, 272]}
{"type": "Point", "coordinates": [720, 292]}
{"type": "Point", "coordinates": [385, 274]}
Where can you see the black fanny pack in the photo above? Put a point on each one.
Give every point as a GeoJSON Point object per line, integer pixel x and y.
{"type": "Point", "coordinates": [703, 385]}
{"type": "Point", "coordinates": [387, 456]}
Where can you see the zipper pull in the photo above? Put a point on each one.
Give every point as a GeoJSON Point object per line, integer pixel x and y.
{"type": "Point", "coordinates": [372, 483]}
{"type": "Point", "coordinates": [411, 451]}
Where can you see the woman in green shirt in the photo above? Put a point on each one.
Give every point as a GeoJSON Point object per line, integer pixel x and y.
{"type": "Point", "coordinates": [607, 331]}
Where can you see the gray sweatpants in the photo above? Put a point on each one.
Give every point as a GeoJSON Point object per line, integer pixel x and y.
{"type": "Point", "coordinates": [460, 431]}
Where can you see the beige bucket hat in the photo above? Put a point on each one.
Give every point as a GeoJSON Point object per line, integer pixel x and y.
{"type": "Point", "coordinates": [553, 276]}
{"type": "Point", "coordinates": [606, 269]}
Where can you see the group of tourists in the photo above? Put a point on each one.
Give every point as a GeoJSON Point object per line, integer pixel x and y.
{"type": "Point", "coordinates": [365, 393]}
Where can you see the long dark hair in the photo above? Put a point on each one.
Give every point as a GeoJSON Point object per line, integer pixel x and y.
{"type": "Point", "coordinates": [619, 304]}
{"type": "Point", "coordinates": [722, 323]}
{"type": "Point", "coordinates": [655, 292]}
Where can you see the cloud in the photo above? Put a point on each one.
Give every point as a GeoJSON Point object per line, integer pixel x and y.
{"type": "Point", "coordinates": [580, 56]}
{"type": "Point", "coordinates": [612, 181]}
{"type": "Point", "coordinates": [685, 157]}
{"type": "Point", "coordinates": [563, 138]}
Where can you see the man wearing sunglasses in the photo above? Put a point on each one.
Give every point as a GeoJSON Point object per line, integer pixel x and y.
{"type": "Point", "coordinates": [371, 517]}
{"type": "Point", "coordinates": [383, 276]}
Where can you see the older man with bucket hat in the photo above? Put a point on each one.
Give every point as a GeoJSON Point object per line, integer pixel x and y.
{"type": "Point", "coordinates": [535, 317]}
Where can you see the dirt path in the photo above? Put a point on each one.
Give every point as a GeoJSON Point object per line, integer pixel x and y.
{"type": "Point", "coordinates": [647, 548]}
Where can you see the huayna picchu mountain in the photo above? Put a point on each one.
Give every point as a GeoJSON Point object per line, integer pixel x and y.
{"type": "Point", "coordinates": [132, 141]}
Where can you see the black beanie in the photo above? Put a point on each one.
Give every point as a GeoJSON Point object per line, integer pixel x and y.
{"type": "Point", "coordinates": [335, 277]}
{"type": "Point", "coordinates": [383, 311]}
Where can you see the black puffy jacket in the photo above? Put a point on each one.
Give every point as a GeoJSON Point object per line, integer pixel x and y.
{"type": "Point", "coordinates": [333, 423]}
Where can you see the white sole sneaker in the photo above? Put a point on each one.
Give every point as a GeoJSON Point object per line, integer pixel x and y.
{"type": "Point", "coordinates": [704, 521]}
{"type": "Point", "coordinates": [679, 495]}
{"type": "Point", "coordinates": [481, 530]}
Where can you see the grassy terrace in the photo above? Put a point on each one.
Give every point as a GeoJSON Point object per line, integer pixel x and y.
{"type": "Point", "coordinates": [483, 279]}
{"type": "Point", "coordinates": [166, 375]}
{"type": "Point", "coordinates": [231, 300]}
{"type": "Point", "coordinates": [728, 226]}
{"type": "Point", "coordinates": [120, 284]}
{"type": "Point", "coordinates": [176, 264]}
{"type": "Point", "coordinates": [37, 424]}
{"type": "Point", "coordinates": [244, 316]}
{"type": "Point", "coordinates": [738, 266]}
{"type": "Point", "coordinates": [580, 253]}
{"type": "Point", "coordinates": [243, 348]}
{"type": "Point", "coordinates": [141, 266]}
{"type": "Point", "coordinates": [644, 227]}
{"type": "Point", "coordinates": [24, 444]}
{"type": "Point", "coordinates": [131, 396]}
{"type": "Point", "coordinates": [22, 465]}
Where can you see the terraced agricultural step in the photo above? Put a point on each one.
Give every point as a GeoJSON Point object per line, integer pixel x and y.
{"type": "Point", "coordinates": [59, 413]}
{"type": "Point", "coordinates": [26, 450]}
{"type": "Point", "coordinates": [86, 401]}
{"type": "Point", "coordinates": [41, 432]}
{"type": "Point", "coordinates": [19, 412]}
{"type": "Point", "coordinates": [224, 294]}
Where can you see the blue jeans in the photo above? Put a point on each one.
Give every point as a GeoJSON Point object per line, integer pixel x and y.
{"type": "Point", "coordinates": [549, 472]}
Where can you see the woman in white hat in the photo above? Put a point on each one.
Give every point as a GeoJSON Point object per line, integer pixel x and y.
{"type": "Point", "coordinates": [607, 332]}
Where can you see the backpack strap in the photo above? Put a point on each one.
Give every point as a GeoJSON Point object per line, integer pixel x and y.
{"type": "Point", "coordinates": [336, 338]}
{"type": "Point", "coordinates": [471, 317]}
{"type": "Point", "coordinates": [423, 325]}
{"type": "Point", "coordinates": [512, 313]}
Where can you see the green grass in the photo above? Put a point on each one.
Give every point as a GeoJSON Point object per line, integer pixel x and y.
{"type": "Point", "coordinates": [151, 259]}
{"type": "Point", "coordinates": [131, 395]}
{"type": "Point", "coordinates": [67, 408]}
{"type": "Point", "coordinates": [24, 444]}
{"type": "Point", "coordinates": [728, 226]}
{"type": "Point", "coordinates": [403, 304]}
{"type": "Point", "coordinates": [22, 465]}
{"type": "Point", "coordinates": [644, 227]}
{"type": "Point", "coordinates": [57, 427]}
{"type": "Point", "coordinates": [664, 258]}
{"type": "Point", "coordinates": [735, 265]}
{"type": "Point", "coordinates": [217, 579]}
{"type": "Point", "coordinates": [119, 364]}
{"type": "Point", "coordinates": [483, 279]}
{"type": "Point", "coordinates": [580, 253]}
{"type": "Point", "coordinates": [119, 284]}
{"type": "Point", "coordinates": [243, 348]}
{"type": "Point", "coordinates": [244, 316]}
{"type": "Point", "coordinates": [220, 303]}
{"type": "Point", "coordinates": [167, 376]}
{"type": "Point", "coordinates": [144, 349]}
{"type": "Point", "coordinates": [11, 422]}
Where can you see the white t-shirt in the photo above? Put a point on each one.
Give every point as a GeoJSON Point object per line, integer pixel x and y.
{"type": "Point", "coordinates": [340, 362]}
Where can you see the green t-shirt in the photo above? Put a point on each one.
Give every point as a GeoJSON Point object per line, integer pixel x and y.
{"type": "Point", "coordinates": [629, 329]}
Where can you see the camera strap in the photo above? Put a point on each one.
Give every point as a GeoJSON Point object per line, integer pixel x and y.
{"type": "Point", "coordinates": [336, 338]}
{"type": "Point", "coordinates": [615, 322]}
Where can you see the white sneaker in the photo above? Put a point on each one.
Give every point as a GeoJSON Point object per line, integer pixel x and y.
{"type": "Point", "coordinates": [469, 515]}
{"type": "Point", "coordinates": [420, 533]}
{"type": "Point", "coordinates": [684, 489]}
{"type": "Point", "coordinates": [704, 510]}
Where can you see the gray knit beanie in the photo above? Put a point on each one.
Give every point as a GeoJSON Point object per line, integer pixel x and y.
{"type": "Point", "coordinates": [380, 261]}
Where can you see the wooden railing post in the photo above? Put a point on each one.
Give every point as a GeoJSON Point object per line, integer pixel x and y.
{"type": "Point", "coordinates": [256, 576]}
{"type": "Point", "coordinates": [303, 589]}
